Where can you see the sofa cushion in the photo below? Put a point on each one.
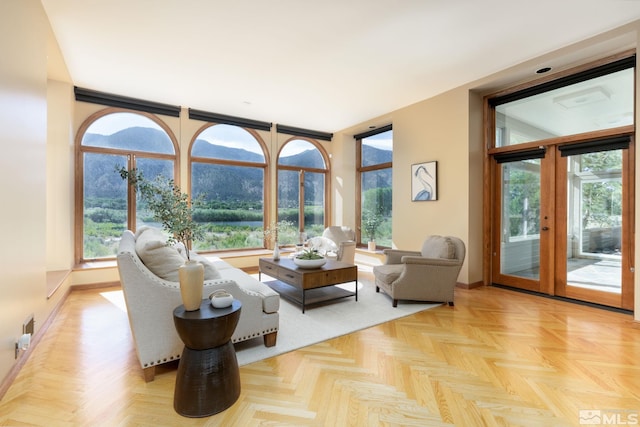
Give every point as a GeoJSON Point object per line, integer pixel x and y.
{"type": "Point", "coordinates": [210, 270]}
{"type": "Point", "coordinates": [438, 247]}
{"type": "Point", "coordinates": [162, 260]}
{"type": "Point", "coordinates": [388, 273]}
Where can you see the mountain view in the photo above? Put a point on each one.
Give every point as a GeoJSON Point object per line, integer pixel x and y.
{"type": "Point", "coordinates": [233, 195]}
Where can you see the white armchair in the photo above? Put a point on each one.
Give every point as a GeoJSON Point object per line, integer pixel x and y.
{"type": "Point", "coordinates": [345, 239]}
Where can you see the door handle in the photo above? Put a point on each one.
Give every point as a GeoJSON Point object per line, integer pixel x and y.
{"type": "Point", "coordinates": [545, 228]}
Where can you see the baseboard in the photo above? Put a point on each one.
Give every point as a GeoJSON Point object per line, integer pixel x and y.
{"type": "Point", "coordinates": [35, 340]}
{"type": "Point", "coordinates": [251, 270]}
{"type": "Point", "coordinates": [95, 286]}
{"type": "Point", "coordinates": [470, 285]}
{"type": "Point", "coordinates": [565, 299]}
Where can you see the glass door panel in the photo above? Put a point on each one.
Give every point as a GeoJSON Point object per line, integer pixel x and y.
{"type": "Point", "coordinates": [596, 227]}
{"type": "Point", "coordinates": [519, 224]}
{"type": "Point", "coordinates": [594, 221]}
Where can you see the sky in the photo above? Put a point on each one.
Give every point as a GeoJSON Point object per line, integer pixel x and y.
{"type": "Point", "coordinates": [226, 135]}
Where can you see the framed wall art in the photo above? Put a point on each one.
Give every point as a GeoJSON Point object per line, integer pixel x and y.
{"type": "Point", "coordinates": [424, 181]}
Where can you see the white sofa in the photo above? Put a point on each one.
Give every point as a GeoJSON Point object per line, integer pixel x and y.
{"type": "Point", "coordinates": [151, 299]}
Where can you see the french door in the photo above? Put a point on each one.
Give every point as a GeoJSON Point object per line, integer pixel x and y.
{"type": "Point", "coordinates": [563, 220]}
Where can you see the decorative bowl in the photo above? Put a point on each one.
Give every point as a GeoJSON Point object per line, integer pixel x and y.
{"type": "Point", "coordinates": [221, 299]}
{"type": "Point", "coordinates": [309, 263]}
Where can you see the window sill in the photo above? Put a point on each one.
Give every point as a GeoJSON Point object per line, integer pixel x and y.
{"type": "Point", "coordinates": [226, 255]}
{"type": "Point", "coordinates": [55, 279]}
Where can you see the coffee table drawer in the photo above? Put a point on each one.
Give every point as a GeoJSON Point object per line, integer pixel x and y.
{"type": "Point", "coordinates": [330, 277]}
{"type": "Point", "coordinates": [290, 276]}
{"type": "Point", "coordinates": [268, 269]}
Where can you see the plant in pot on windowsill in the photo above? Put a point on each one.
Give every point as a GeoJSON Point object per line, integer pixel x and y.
{"type": "Point", "coordinates": [171, 208]}
{"type": "Point", "coordinates": [370, 223]}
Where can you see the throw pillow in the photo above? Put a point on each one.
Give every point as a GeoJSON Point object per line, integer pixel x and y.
{"type": "Point", "coordinates": [438, 247]}
{"type": "Point", "coordinates": [210, 270]}
{"type": "Point", "coordinates": [162, 260]}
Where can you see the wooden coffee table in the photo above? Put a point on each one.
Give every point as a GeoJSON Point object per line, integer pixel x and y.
{"type": "Point", "coordinates": [307, 286]}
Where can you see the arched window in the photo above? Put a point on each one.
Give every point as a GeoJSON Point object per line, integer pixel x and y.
{"type": "Point", "coordinates": [228, 169]}
{"type": "Point", "coordinates": [302, 186]}
{"type": "Point", "coordinates": [111, 139]}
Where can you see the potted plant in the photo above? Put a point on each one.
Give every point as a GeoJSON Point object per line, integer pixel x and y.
{"type": "Point", "coordinates": [309, 258]}
{"type": "Point", "coordinates": [171, 208]}
{"type": "Point", "coordinates": [370, 223]}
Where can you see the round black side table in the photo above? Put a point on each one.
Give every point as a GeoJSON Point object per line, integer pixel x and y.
{"type": "Point", "coordinates": [208, 378]}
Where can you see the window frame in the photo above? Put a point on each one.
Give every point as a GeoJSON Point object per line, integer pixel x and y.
{"type": "Point", "coordinates": [360, 170]}
{"type": "Point", "coordinates": [80, 150]}
{"type": "Point", "coordinates": [226, 162]}
{"type": "Point", "coordinates": [327, 180]}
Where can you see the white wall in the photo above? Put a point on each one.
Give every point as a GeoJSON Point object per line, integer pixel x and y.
{"type": "Point", "coordinates": [23, 120]}
{"type": "Point", "coordinates": [436, 129]}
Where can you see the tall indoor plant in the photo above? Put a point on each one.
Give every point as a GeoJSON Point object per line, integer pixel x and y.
{"type": "Point", "coordinates": [171, 208]}
{"type": "Point", "coordinates": [370, 222]}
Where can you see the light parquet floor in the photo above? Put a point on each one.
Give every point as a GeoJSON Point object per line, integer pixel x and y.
{"type": "Point", "coordinates": [498, 358]}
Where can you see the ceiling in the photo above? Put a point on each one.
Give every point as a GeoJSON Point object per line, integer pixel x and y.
{"type": "Point", "coordinates": [325, 65]}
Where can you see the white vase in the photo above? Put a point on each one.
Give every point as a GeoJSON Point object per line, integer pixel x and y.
{"type": "Point", "coordinates": [221, 299]}
{"type": "Point", "coordinates": [191, 275]}
{"type": "Point", "coordinates": [372, 245]}
{"type": "Point", "coordinates": [276, 252]}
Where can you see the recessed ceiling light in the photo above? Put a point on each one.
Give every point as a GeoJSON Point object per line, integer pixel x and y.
{"type": "Point", "coordinates": [543, 70]}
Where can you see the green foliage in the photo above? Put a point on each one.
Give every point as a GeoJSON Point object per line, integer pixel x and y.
{"type": "Point", "coordinates": [371, 221]}
{"type": "Point", "coordinates": [601, 161]}
{"type": "Point", "coordinates": [377, 200]}
{"type": "Point", "coordinates": [602, 199]}
{"type": "Point", "coordinates": [101, 238]}
{"type": "Point", "coordinates": [376, 214]}
{"type": "Point", "coordinates": [169, 205]}
{"type": "Point", "coordinates": [106, 215]}
{"type": "Point", "coordinates": [226, 215]}
{"type": "Point", "coordinates": [601, 204]}
{"type": "Point", "coordinates": [288, 214]}
{"type": "Point", "coordinates": [309, 254]}
{"type": "Point", "coordinates": [524, 202]}
{"type": "Point", "coordinates": [276, 231]}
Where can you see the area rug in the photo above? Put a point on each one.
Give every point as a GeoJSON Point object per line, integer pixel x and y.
{"type": "Point", "coordinates": [329, 320]}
